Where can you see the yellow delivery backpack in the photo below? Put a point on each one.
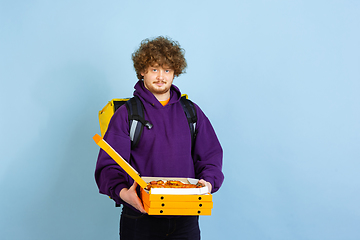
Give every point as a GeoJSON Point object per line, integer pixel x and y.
{"type": "Point", "coordinates": [108, 111]}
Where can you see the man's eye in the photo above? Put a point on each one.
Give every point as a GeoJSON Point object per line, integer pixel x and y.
{"type": "Point", "coordinates": [154, 70]}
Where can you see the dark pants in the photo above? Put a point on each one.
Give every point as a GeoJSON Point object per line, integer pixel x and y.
{"type": "Point", "coordinates": [135, 225]}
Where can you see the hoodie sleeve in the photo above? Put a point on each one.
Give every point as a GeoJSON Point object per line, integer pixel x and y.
{"type": "Point", "coordinates": [109, 176]}
{"type": "Point", "coordinates": [207, 153]}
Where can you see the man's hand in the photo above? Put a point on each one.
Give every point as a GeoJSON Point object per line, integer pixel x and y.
{"type": "Point", "coordinates": [130, 196]}
{"type": "Point", "coordinates": [205, 183]}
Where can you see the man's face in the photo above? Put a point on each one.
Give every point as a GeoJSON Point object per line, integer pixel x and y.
{"type": "Point", "coordinates": [158, 80]}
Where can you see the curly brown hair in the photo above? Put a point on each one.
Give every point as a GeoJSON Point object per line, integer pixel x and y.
{"type": "Point", "coordinates": [161, 51]}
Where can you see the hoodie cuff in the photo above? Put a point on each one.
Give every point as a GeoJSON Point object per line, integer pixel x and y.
{"type": "Point", "coordinates": [116, 193]}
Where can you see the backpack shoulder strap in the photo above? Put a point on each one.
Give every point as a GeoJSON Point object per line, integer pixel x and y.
{"type": "Point", "coordinates": [191, 116]}
{"type": "Point", "coordinates": [137, 121]}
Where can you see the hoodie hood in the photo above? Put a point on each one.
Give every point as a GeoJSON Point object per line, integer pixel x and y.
{"type": "Point", "coordinates": [142, 92]}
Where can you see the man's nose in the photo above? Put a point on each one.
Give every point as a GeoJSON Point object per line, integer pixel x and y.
{"type": "Point", "coordinates": [160, 74]}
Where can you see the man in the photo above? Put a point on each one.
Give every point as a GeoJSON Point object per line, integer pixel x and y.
{"type": "Point", "coordinates": [165, 150]}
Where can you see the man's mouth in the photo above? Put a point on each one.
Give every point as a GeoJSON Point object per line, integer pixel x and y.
{"type": "Point", "coordinates": [160, 83]}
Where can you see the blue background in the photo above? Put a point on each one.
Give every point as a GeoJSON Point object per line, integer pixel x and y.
{"type": "Point", "coordinates": [279, 81]}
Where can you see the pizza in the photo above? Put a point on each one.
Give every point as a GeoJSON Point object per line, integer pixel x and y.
{"type": "Point", "coordinates": [171, 184]}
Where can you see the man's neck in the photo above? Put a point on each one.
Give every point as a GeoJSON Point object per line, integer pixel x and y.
{"type": "Point", "coordinates": [162, 97]}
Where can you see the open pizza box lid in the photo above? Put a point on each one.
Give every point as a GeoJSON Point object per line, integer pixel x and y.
{"type": "Point", "coordinates": [142, 181]}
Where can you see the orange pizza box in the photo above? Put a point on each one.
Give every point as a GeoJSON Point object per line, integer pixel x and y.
{"type": "Point", "coordinates": [164, 201]}
{"type": "Point", "coordinates": [177, 211]}
{"type": "Point", "coordinates": [147, 197]}
{"type": "Point", "coordinates": [167, 205]}
{"type": "Point", "coordinates": [176, 201]}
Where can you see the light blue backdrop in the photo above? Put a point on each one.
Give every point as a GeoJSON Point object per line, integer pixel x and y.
{"type": "Point", "coordinates": [279, 80]}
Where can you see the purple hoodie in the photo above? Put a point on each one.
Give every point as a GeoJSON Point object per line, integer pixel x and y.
{"type": "Point", "coordinates": [164, 150]}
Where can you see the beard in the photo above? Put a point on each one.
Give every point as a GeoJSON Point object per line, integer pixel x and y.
{"type": "Point", "coordinates": [158, 87]}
